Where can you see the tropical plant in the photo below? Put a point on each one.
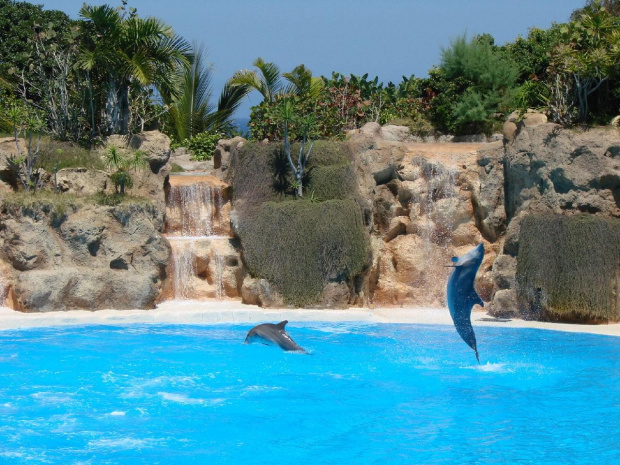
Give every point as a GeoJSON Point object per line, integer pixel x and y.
{"type": "Point", "coordinates": [489, 77]}
{"type": "Point", "coordinates": [586, 58]}
{"type": "Point", "coordinates": [202, 145]}
{"type": "Point", "coordinates": [266, 81]}
{"type": "Point", "coordinates": [192, 112]}
{"type": "Point", "coordinates": [299, 169]}
{"type": "Point", "coordinates": [123, 53]}
{"type": "Point", "coordinates": [121, 165]}
{"type": "Point", "coordinates": [25, 162]}
{"type": "Point", "coordinates": [302, 83]}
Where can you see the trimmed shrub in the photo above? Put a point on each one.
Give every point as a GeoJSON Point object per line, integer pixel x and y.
{"type": "Point", "coordinates": [568, 267]}
{"type": "Point", "coordinates": [300, 246]}
{"type": "Point", "coordinates": [262, 173]}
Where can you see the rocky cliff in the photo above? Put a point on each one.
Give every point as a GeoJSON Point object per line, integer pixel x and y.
{"type": "Point", "coordinates": [543, 170]}
{"type": "Point", "coordinates": [89, 257]}
{"type": "Point", "coordinates": [67, 251]}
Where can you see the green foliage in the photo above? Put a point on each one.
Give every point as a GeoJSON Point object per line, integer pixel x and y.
{"type": "Point", "coordinates": [488, 78]}
{"type": "Point", "coordinates": [202, 145]}
{"type": "Point", "coordinates": [19, 23]}
{"type": "Point", "coordinates": [121, 164]}
{"type": "Point", "coordinates": [531, 53]}
{"type": "Point", "coordinates": [567, 266]}
{"type": "Point", "coordinates": [191, 112]}
{"type": "Point", "coordinates": [56, 154]}
{"type": "Point", "coordinates": [262, 173]}
{"type": "Point", "coordinates": [586, 58]}
{"type": "Point", "coordinates": [301, 246]}
{"type": "Point", "coordinates": [317, 240]}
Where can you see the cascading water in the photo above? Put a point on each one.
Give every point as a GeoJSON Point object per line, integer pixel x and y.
{"type": "Point", "coordinates": [3, 288]}
{"type": "Point", "coordinates": [197, 228]}
{"type": "Point", "coordinates": [193, 210]}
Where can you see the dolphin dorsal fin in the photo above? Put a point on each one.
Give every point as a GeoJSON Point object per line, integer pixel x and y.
{"type": "Point", "coordinates": [282, 324]}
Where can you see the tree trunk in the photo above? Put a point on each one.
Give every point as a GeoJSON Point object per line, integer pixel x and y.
{"type": "Point", "coordinates": [124, 109]}
{"type": "Point", "coordinates": [111, 107]}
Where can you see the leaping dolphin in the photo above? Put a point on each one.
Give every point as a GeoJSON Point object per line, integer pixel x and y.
{"type": "Point", "coordinates": [270, 334]}
{"type": "Point", "coordinates": [461, 293]}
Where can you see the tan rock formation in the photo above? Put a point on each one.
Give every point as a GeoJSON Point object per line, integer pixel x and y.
{"type": "Point", "coordinates": [91, 258]}
{"type": "Point", "coordinates": [422, 197]}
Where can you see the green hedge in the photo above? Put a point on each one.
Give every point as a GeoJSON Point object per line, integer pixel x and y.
{"type": "Point", "coordinates": [262, 173]}
{"type": "Point", "coordinates": [299, 245]}
{"type": "Point", "coordinates": [567, 266]}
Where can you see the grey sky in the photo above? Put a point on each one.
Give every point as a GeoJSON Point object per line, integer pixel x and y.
{"type": "Point", "coordinates": [387, 38]}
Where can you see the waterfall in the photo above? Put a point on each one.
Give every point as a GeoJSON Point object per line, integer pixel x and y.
{"type": "Point", "coordinates": [3, 288]}
{"type": "Point", "coordinates": [193, 210]}
{"type": "Point", "coordinates": [184, 268]}
{"type": "Point", "coordinates": [219, 266]}
{"type": "Point", "coordinates": [197, 227]}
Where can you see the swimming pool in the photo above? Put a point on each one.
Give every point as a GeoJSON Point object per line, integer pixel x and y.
{"type": "Point", "coordinates": [388, 393]}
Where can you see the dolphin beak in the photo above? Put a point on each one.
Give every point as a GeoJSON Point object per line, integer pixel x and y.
{"type": "Point", "coordinates": [476, 351]}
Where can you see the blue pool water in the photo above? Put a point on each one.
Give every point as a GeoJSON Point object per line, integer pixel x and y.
{"type": "Point", "coordinates": [388, 394]}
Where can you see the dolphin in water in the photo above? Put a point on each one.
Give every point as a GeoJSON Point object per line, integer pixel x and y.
{"type": "Point", "coordinates": [270, 334]}
{"type": "Point", "coordinates": [461, 293]}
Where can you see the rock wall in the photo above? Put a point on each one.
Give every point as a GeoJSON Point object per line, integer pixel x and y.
{"type": "Point", "coordinates": [421, 199]}
{"type": "Point", "coordinates": [543, 168]}
{"type": "Point", "coordinates": [93, 257]}
{"type": "Point", "coordinates": [60, 254]}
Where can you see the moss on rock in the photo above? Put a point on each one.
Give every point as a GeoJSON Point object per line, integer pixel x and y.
{"type": "Point", "coordinates": [568, 267]}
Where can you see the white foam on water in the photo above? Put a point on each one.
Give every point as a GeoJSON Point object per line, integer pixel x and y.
{"type": "Point", "coordinates": [492, 368]}
{"type": "Point", "coordinates": [46, 397]}
{"type": "Point", "coordinates": [117, 413]}
{"type": "Point", "coordinates": [184, 399]}
{"type": "Point", "coordinates": [121, 443]}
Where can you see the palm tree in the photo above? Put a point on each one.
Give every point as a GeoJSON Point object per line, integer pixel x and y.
{"type": "Point", "coordinates": [192, 111]}
{"type": "Point", "coordinates": [302, 82]}
{"type": "Point", "coordinates": [267, 82]}
{"type": "Point", "coordinates": [125, 51]}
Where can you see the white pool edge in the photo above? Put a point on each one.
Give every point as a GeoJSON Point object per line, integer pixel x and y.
{"type": "Point", "coordinates": [214, 312]}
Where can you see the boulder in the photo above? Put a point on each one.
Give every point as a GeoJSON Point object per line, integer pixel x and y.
{"type": "Point", "coordinates": [260, 292]}
{"type": "Point", "coordinates": [504, 304]}
{"type": "Point", "coordinates": [504, 272]}
{"type": "Point", "coordinates": [509, 131]}
{"type": "Point", "coordinates": [8, 148]}
{"type": "Point", "coordinates": [533, 118]}
{"type": "Point", "coordinates": [93, 257]}
{"type": "Point", "coordinates": [155, 144]}
{"type": "Point", "coordinates": [395, 133]}
{"type": "Point", "coordinates": [221, 155]}
{"type": "Point", "coordinates": [83, 182]}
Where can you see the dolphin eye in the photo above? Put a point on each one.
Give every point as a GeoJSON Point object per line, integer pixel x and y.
{"type": "Point", "coordinates": [454, 259]}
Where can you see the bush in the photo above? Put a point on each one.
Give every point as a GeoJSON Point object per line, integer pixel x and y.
{"type": "Point", "coordinates": [262, 173]}
{"type": "Point", "coordinates": [567, 266]}
{"type": "Point", "coordinates": [67, 155]}
{"type": "Point", "coordinates": [299, 245]}
{"type": "Point", "coordinates": [202, 145]}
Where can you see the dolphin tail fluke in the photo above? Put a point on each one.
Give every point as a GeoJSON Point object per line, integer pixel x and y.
{"type": "Point", "coordinates": [476, 352]}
